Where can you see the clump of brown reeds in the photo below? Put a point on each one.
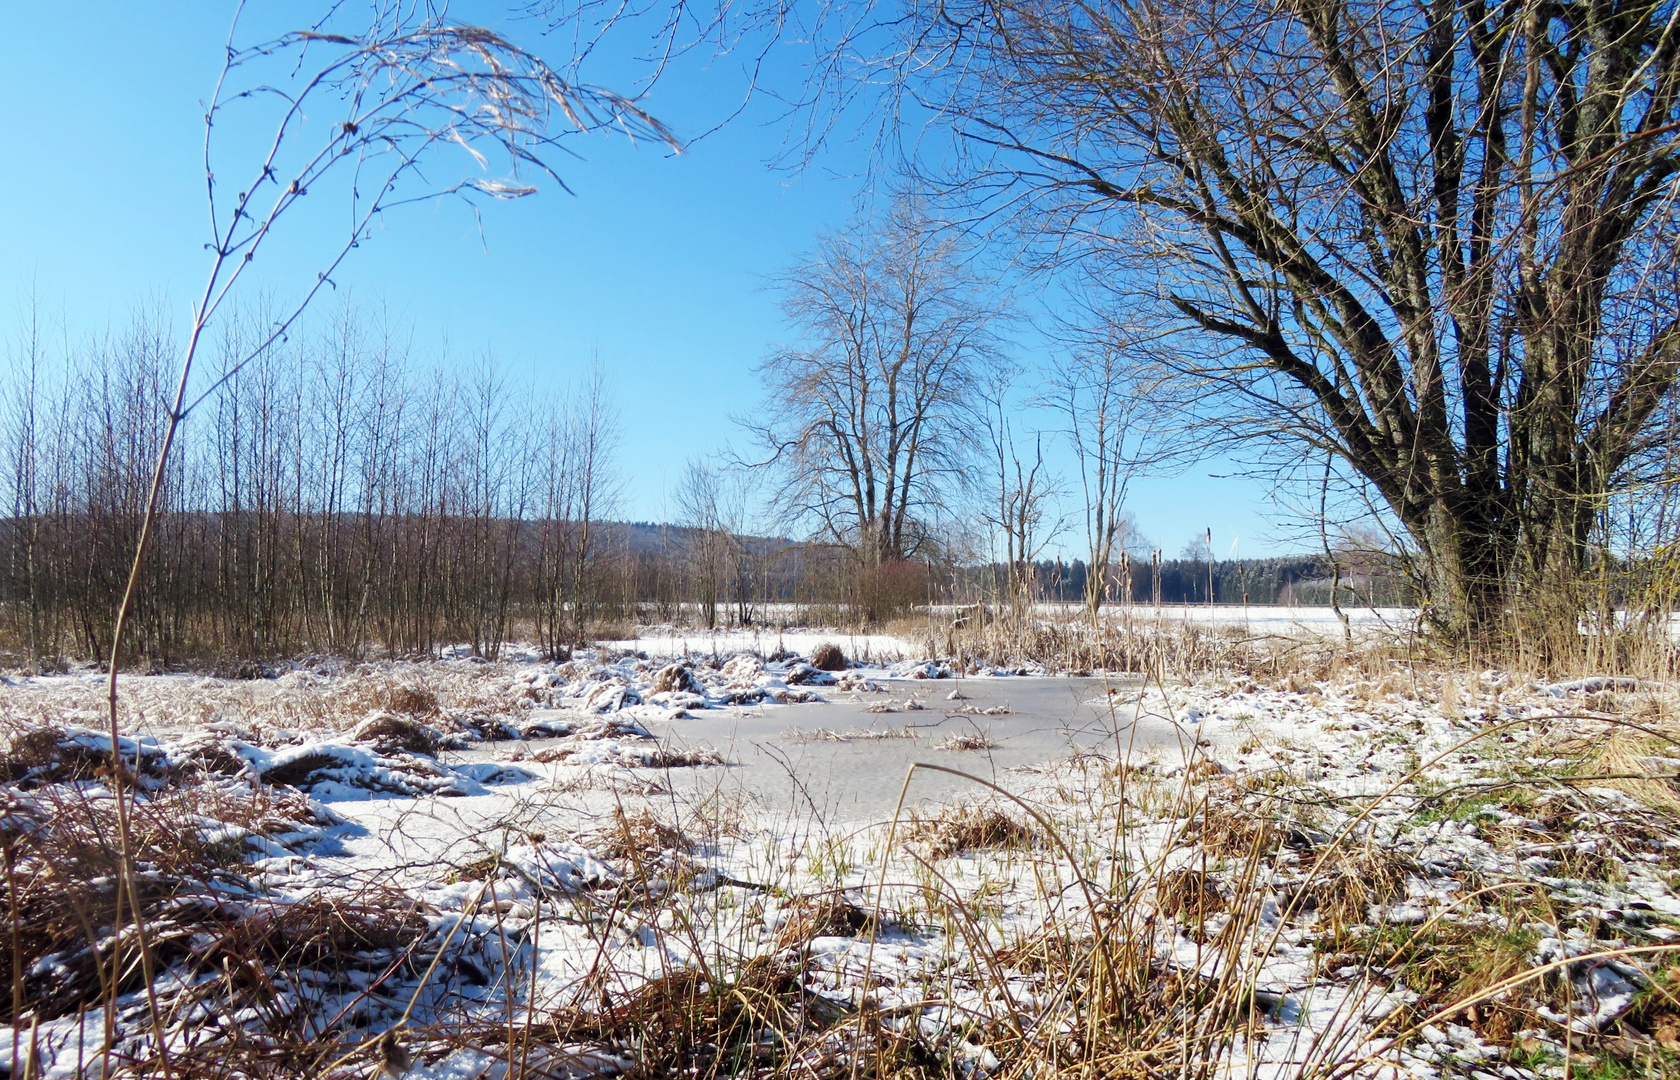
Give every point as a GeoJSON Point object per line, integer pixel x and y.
{"type": "Point", "coordinates": [677, 677]}
{"type": "Point", "coordinates": [965, 740]}
{"type": "Point", "coordinates": [956, 830]}
{"type": "Point", "coordinates": [828, 657]}
{"type": "Point", "coordinates": [829, 913]}
{"type": "Point", "coordinates": [401, 694]}
{"type": "Point", "coordinates": [1188, 893]}
{"type": "Point", "coordinates": [757, 1018]}
{"type": "Point", "coordinates": [848, 735]}
{"type": "Point", "coordinates": [389, 733]}
{"type": "Point", "coordinates": [66, 880]}
{"type": "Point", "coordinates": [640, 757]}
{"type": "Point", "coordinates": [35, 756]}
{"type": "Point", "coordinates": [1224, 825]}
{"type": "Point", "coordinates": [1343, 881]}
{"type": "Point", "coordinates": [636, 835]}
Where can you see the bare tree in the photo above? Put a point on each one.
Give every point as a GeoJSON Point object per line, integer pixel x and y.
{"type": "Point", "coordinates": [408, 85]}
{"type": "Point", "coordinates": [714, 504]}
{"type": "Point", "coordinates": [1435, 239]}
{"type": "Point", "coordinates": [578, 486]}
{"type": "Point", "coordinates": [708, 547]}
{"type": "Point", "coordinates": [1023, 491]}
{"type": "Point", "coordinates": [865, 417]}
{"type": "Point", "coordinates": [22, 436]}
{"type": "Point", "coordinates": [1116, 431]}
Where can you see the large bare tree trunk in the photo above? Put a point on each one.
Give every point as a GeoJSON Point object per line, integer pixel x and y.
{"type": "Point", "coordinates": [1435, 239]}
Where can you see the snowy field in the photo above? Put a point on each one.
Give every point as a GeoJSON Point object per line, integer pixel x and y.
{"type": "Point", "coordinates": [670, 641]}
{"type": "Point", "coordinates": [1259, 617]}
{"type": "Point", "coordinates": [443, 868]}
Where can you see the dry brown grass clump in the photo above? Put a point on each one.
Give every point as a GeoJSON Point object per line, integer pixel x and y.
{"type": "Point", "coordinates": [66, 879]}
{"type": "Point", "coordinates": [849, 735]}
{"type": "Point", "coordinates": [758, 1019]}
{"type": "Point", "coordinates": [411, 701]}
{"type": "Point", "coordinates": [825, 914]}
{"type": "Point", "coordinates": [958, 829]}
{"type": "Point", "coordinates": [371, 692]}
{"type": "Point", "coordinates": [965, 740]}
{"type": "Point", "coordinates": [1226, 827]}
{"type": "Point", "coordinates": [638, 757]}
{"type": "Point", "coordinates": [37, 756]}
{"type": "Point", "coordinates": [1187, 894]}
{"type": "Point", "coordinates": [1072, 645]}
{"type": "Point", "coordinates": [677, 677]}
{"type": "Point", "coordinates": [828, 657]}
{"type": "Point", "coordinates": [1343, 881]}
{"type": "Point", "coordinates": [1638, 763]}
{"type": "Point", "coordinates": [637, 835]}
{"type": "Point", "coordinates": [388, 733]}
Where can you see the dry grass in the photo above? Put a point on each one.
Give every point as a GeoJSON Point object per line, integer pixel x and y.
{"type": "Point", "coordinates": [638, 835]}
{"type": "Point", "coordinates": [1457, 961]}
{"type": "Point", "coordinates": [1642, 762]}
{"type": "Point", "coordinates": [828, 657]}
{"type": "Point", "coordinates": [39, 756]}
{"type": "Point", "coordinates": [639, 757]}
{"type": "Point", "coordinates": [1344, 880]}
{"type": "Point", "coordinates": [1223, 825]}
{"type": "Point", "coordinates": [1071, 644]}
{"type": "Point", "coordinates": [1187, 894]}
{"type": "Point", "coordinates": [677, 678]}
{"type": "Point", "coordinates": [826, 914]}
{"type": "Point", "coordinates": [966, 740]}
{"type": "Point", "coordinates": [65, 879]}
{"type": "Point", "coordinates": [848, 735]}
{"type": "Point", "coordinates": [757, 1019]}
{"type": "Point", "coordinates": [957, 830]}
{"type": "Point", "coordinates": [1054, 954]}
{"type": "Point", "coordinates": [388, 733]}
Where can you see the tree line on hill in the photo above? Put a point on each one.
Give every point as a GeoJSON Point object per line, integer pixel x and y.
{"type": "Point", "coordinates": [1288, 580]}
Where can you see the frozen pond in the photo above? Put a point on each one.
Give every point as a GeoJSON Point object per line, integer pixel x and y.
{"type": "Point", "coordinates": [820, 765]}
{"type": "Point", "coordinates": [843, 762]}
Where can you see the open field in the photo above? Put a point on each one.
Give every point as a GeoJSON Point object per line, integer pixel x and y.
{"type": "Point", "coordinates": [1308, 862]}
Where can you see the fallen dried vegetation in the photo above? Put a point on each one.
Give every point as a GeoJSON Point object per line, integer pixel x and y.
{"type": "Point", "coordinates": [1352, 871]}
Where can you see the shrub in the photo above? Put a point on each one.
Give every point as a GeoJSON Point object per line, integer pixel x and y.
{"type": "Point", "coordinates": [890, 589]}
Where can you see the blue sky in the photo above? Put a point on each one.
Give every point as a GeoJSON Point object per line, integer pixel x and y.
{"type": "Point", "coordinates": [657, 265]}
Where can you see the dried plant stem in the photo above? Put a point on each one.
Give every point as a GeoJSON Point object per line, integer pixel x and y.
{"type": "Point", "coordinates": [124, 850]}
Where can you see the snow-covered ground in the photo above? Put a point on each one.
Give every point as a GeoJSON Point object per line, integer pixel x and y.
{"type": "Point", "coordinates": [670, 641]}
{"type": "Point", "coordinates": [1260, 616]}
{"type": "Point", "coordinates": [563, 837]}
{"type": "Point", "coordinates": [681, 641]}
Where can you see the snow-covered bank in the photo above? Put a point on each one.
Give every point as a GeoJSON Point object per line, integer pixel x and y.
{"type": "Point", "coordinates": [672, 641]}
{"type": "Point", "coordinates": [1312, 876]}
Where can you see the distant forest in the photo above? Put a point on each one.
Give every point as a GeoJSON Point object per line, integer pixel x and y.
{"type": "Point", "coordinates": [258, 585]}
{"type": "Point", "coordinates": [1289, 579]}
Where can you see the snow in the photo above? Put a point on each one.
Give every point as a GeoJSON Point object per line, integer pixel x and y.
{"type": "Point", "coordinates": [870, 649]}
{"type": "Point", "coordinates": [508, 846]}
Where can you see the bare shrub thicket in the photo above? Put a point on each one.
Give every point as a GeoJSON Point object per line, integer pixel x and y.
{"type": "Point", "coordinates": [723, 565]}
{"type": "Point", "coordinates": [334, 499]}
{"type": "Point", "coordinates": [1021, 513]}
